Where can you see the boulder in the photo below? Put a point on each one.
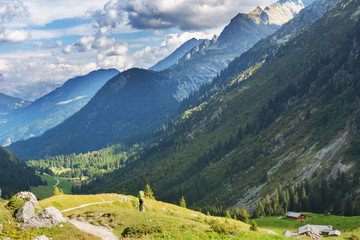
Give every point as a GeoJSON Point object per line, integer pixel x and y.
{"type": "Point", "coordinates": [49, 217]}
{"type": "Point", "coordinates": [43, 237]}
{"type": "Point", "coordinates": [26, 212]}
{"type": "Point", "coordinates": [28, 196]}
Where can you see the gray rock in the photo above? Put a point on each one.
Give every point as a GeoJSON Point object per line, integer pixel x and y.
{"type": "Point", "coordinates": [7, 238]}
{"type": "Point", "coordinates": [28, 196]}
{"type": "Point", "coordinates": [49, 217]}
{"type": "Point", "coordinates": [43, 237]}
{"type": "Point", "coordinates": [25, 212]}
{"type": "Point", "coordinates": [1, 228]}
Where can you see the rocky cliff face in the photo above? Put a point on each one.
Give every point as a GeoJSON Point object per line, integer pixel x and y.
{"type": "Point", "coordinates": [203, 62]}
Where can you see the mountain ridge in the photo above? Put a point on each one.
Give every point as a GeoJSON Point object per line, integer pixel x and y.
{"type": "Point", "coordinates": [179, 80]}
{"type": "Point", "coordinates": [53, 108]}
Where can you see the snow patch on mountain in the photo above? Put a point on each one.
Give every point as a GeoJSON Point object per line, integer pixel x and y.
{"type": "Point", "coordinates": [71, 100]}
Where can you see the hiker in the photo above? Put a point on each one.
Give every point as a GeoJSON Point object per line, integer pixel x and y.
{"type": "Point", "coordinates": [141, 200]}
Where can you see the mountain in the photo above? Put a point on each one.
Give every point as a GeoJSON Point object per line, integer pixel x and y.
{"type": "Point", "coordinates": [8, 103]}
{"type": "Point", "coordinates": [294, 116]}
{"type": "Point", "coordinates": [205, 61]}
{"type": "Point", "coordinates": [87, 131]}
{"type": "Point", "coordinates": [29, 92]}
{"type": "Point", "coordinates": [52, 109]}
{"type": "Point", "coordinates": [134, 102]}
{"type": "Point", "coordinates": [15, 174]}
{"type": "Point", "coordinates": [176, 55]}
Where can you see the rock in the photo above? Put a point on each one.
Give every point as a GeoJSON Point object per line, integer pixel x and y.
{"type": "Point", "coordinates": [28, 196]}
{"type": "Point", "coordinates": [25, 212]}
{"type": "Point", "coordinates": [7, 238]}
{"type": "Point", "coordinates": [43, 237]}
{"type": "Point", "coordinates": [49, 217]}
{"type": "Point", "coordinates": [1, 228]}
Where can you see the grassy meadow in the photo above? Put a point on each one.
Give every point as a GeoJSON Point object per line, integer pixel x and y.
{"type": "Point", "coordinates": [46, 191]}
{"type": "Point", "coordinates": [159, 221]}
{"type": "Point", "coordinates": [347, 225]}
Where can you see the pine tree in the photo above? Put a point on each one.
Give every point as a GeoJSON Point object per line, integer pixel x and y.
{"type": "Point", "coordinates": [57, 191]}
{"type": "Point", "coordinates": [254, 226]}
{"type": "Point", "coordinates": [182, 202]}
{"type": "Point", "coordinates": [148, 192]}
{"type": "Point", "coordinates": [227, 214]}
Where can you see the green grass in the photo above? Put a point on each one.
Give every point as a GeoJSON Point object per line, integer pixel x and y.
{"type": "Point", "coordinates": [13, 230]}
{"type": "Point", "coordinates": [159, 221]}
{"type": "Point", "coordinates": [347, 225]}
{"type": "Point", "coordinates": [46, 191]}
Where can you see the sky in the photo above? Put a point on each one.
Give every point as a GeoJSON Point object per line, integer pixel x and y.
{"type": "Point", "coordinates": [42, 40]}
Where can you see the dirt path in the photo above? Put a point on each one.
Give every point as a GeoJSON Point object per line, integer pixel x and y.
{"type": "Point", "coordinates": [57, 184]}
{"type": "Point", "coordinates": [269, 231]}
{"type": "Point", "coordinates": [101, 232]}
{"type": "Point", "coordinates": [85, 205]}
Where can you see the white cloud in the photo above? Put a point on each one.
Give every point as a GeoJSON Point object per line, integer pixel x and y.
{"type": "Point", "coordinates": [49, 69]}
{"type": "Point", "coordinates": [45, 11]}
{"type": "Point", "coordinates": [184, 14]}
{"type": "Point", "coordinates": [115, 57]}
{"type": "Point", "coordinates": [103, 43]}
{"type": "Point", "coordinates": [9, 11]}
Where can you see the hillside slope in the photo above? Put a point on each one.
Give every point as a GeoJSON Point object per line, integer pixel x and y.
{"type": "Point", "coordinates": [159, 220]}
{"type": "Point", "coordinates": [15, 174]}
{"type": "Point", "coordinates": [206, 60]}
{"type": "Point", "coordinates": [53, 108]}
{"type": "Point", "coordinates": [176, 55]}
{"type": "Point", "coordinates": [107, 117]}
{"type": "Point", "coordinates": [295, 117]}
{"type": "Point", "coordinates": [134, 102]}
{"type": "Point", "coordinates": [8, 103]}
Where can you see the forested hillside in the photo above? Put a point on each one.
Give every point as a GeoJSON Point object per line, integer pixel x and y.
{"type": "Point", "coordinates": [138, 102]}
{"type": "Point", "coordinates": [295, 116]}
{"type": "Point", "coordinates": [15, 174]}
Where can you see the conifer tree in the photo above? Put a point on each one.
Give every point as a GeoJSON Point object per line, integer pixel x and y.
{"type": "Point", "coordinates": [57, 191]}
{"type": "Point", "coordinates": [182, 202]}
{"type": "Point", "coordinates": [254, 226]}
{"type": "Point", "coordinates": [148, 192]}
{"type": "Point", "coordinates": [227, 213]}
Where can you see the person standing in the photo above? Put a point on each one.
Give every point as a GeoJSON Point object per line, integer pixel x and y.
{"type": "Point", "coordinates": [141, 200]}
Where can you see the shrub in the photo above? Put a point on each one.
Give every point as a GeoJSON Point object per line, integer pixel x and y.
{"type": "Point", "coordinates": [15, 204]}
{"type": "Point", "coordinates": [137, 230]}
{"type": "Point", "coordinates": [254, 226]}
{"type": "Point", "coordinates": [219, 228]}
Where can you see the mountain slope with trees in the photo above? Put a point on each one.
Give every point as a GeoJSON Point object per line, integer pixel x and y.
{"type": "Point", "coordinates": [108, 118]}
{"type": "Point", "coordinates": [295, 116]}
{"type": "Point", "coordinates": [8, 104]}
{"type": "Point", "coordinates": [53, 108]}
{"type": "Point", "coordinates": [15, 174]}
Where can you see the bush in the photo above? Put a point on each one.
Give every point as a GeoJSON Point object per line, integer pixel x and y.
{"type": "Point", "coordinates": [137, 230]}
{"type": "Point", "coordinates": [15, 204]}
{"type": "Point", "coordinates": [219, 228]}
{"type": "Point", "coordinates": [254, 226]}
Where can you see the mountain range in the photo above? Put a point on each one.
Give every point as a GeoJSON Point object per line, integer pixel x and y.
{"type": "Point", "coordinates": [176, 55]}
{"type": "Point", "coordinates": [53, 108]}
{"type": "Point", "coordinates": [29, 92]}
{"type": "Point", "coordinates": [8, 103]}
{"type": "Point", "coordinates": [293, 116]}
{"type": "Point", "coordinates": [93, 128]}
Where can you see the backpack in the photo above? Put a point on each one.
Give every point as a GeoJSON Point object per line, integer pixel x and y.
{"type": "Point", "coordinates": [141, 195]}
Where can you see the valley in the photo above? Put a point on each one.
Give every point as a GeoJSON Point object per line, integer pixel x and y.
{"type": "Point", "coordinates": [229, 137]}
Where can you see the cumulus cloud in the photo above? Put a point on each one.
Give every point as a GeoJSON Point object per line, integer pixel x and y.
{"type": "Point", "coordinates": [115, 57]}
{"type": "Point", "coordinates": [58, 43]}
{"type": "Point", "coordinates": [33, 69]}
{"type": "Point", "coordinates": [164, 14]}
{"type": "Point", "coordinates": [9, 11]}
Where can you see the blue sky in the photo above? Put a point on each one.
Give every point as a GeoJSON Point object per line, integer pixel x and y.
{"type": "Point", "coordinates": [42, 40]}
